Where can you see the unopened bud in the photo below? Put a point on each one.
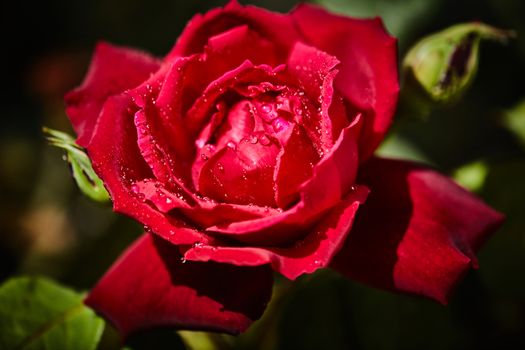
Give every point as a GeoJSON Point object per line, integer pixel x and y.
{"type": "Point", "coordinates": [440, 67]}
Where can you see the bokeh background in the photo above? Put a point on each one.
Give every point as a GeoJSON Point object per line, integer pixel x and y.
{"type": "Point", "coordinates": [47, 227]}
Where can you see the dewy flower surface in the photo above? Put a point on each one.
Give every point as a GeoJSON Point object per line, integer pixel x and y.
{"type": "Point", "coordinates": [248, 149]}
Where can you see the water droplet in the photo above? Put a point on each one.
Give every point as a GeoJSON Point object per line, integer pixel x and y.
{"type": "Point", "coordinates": [253, 139]}
{"type": "Point", "coordinates": [266, 108]}
{"type": "Point", "coordinates": [183, 260]}
{"type": "Point", "coordinates": [231, 145]}
{"type": "Point", "coordinates": [220, 167]}
{"type": "Point", "coordinates": [317, 262]}
{"type": "Point", "coordinates": [135, 188]}
{"type": "Point", "coordinates": [204, 157]}
{"type": "Point", "coordinates": [168, 200]}
{"type": "Point", "coordinates": [279, 124]}
{"type": "Point", "coordinates": [264, 140]}
{"type": "Point", "coordinates": [200, 143]}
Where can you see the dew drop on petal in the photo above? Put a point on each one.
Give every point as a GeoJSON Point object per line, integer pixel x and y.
{"type": "Point", "coordinates": [231, 145]}
{"type": "Point", "coordinates": [264, 140]}
{"type": "Point", "coordinates": [266, 108]}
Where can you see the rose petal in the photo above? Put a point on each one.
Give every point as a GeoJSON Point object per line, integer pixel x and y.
{"type": "Point", "coordinates": [198, 115]}
{"type": "Point", "coordinates": [113, 69]}
{"type": "Point", "coordinates": [338, 168]}
{"type": "Point", "coordinates": [368, 71]}
{"type": "Point", "coordinates": [222, 53]}
{"type": "Point", "coordinates": [307, 255]}
{"type": "Point", "coordinates": [277, 28]}
{"type": "Point", "coordinates": [243, 175]}
{"type": "Point", "coordinates": [200, 211]}
{"type": "Point", "coordinates": [417, 232]}
{"type": "Point", "coordinates": [117, 160]}
{"type": "Point", "coordinates": [149, 286]}
{"type": "Point", "coordinates": [294, 165]}
{"type": "Point", "coordinates": [315, 71]}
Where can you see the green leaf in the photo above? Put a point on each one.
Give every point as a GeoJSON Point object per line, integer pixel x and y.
{"type": "Point", "coordinates": [395, 146]}
{"type": "Point", "coordinates": [472, 176]}
{"type": "Point", "coordinates": [36, 313]}
{"type": "Point", "coordinates": [439, 68]}
{"type": "Point", "coordinates": [86, 178]}
{"type": "Point", "coordinates": [514, 120]}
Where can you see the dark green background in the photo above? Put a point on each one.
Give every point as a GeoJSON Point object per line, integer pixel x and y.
{"type": "Point", "coordinates": [48, 228]}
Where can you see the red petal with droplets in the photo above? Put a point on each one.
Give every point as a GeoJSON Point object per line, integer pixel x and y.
{"type": "Point", "coordinates": [113, 69]}
{"type": "Point", "coordinates": [315, 71]}
{"type": "Point", "coordinates": [307, 255]}
{"type": "Point", "coordinates": [277, 28]}
{"type": "Point", "coordinates": [117, 160]}
{"type": "Point", "coordinates": [338, 168]}
{"type": "Point", "coordinates": [367, 76]}
{"type": "Point", "coordinates": [149, 286]}
{"type": "Point", "coordinates": [416, 233]}
{"type": "Point", "coordinates": [295, 165]}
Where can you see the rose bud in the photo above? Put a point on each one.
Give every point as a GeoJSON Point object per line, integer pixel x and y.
{"type": "Point", "coordinates": [439, 68]}
{"type": "Point", "coordinates": [248, 149]}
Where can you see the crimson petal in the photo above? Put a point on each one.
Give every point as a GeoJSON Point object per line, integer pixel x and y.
{"type": "Point", "coordinates": [417, 232]}
{"type": "Point", "coordinates": [117, 160]}
{"type": "Point", "coordinates": [307, 255]}
{"type": "Point", "coordinates": [150, 286]}
{"type": "Point", "coordinates": [276, 27]}
{"type": "Point", "coordinates": [316, 72]}
{"type": "Point", "coordinates": [338, 168]}
{"type": "Point", "coordinates": [113, 69]}
{"type": "Point", "coordinates": [368, 71]}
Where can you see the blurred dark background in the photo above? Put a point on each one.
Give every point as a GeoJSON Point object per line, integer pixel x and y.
{"type": "Point", "coordinates": [47, 227]}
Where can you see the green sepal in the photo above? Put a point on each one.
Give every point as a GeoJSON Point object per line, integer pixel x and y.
{"type": "Point", "coordinates": [85, 177]}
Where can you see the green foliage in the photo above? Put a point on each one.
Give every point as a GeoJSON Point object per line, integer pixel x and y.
{"type": "Point", "coordinates": [400, 16]}
{"type": "Point", "coordinates": [36, 313]}
{"type": "Point", "coordinates": [83, 173]}
{"type": "Point", "coordinates": [472, 176]}
{"type": "Point", "coordinates": [514, 120]}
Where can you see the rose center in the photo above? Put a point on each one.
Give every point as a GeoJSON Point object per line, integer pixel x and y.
{"type": "Point", "coordinates": [240, 151]}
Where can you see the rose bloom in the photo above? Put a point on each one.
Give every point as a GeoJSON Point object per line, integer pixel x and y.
{"type": "Point", "coordinates": [249, 149]}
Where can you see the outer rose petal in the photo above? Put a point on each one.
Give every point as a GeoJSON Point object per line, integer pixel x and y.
{"type": "Point", "coordinates": [368, 71]}
{"type": "Point", "coordinates": [307, 255]}
{"type": "Point", "coordinates": [276, 27]}
{"type": "Point", "coordinates": [149, 286]}
{"type": "Point", "coordinates": [113, 69]}
{"type": "Point", "coordinates": [417, 232]}
{"type": "Point", "coordinates": [117, 160]}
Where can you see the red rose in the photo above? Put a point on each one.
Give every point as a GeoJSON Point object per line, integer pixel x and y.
{"type": "Point", "coordinates": [248, 149]}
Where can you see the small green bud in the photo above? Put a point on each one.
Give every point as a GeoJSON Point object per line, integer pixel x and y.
{"type": "Point", "coordinates": [440, 67]}
{"type": "Point", "coordinates": [85, 177]}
